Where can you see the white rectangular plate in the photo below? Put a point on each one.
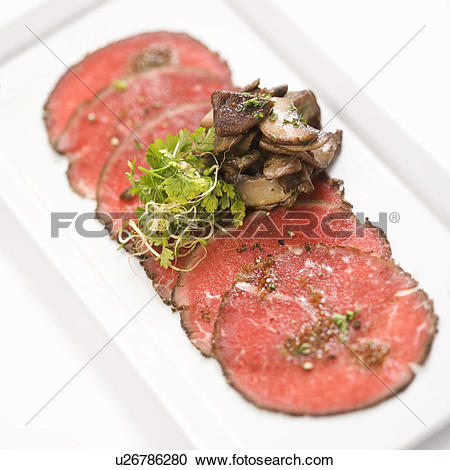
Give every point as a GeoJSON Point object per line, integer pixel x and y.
{"type": "Point", "coordinates": [192, 387]}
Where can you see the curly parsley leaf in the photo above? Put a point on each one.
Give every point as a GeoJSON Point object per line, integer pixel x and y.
{"type": "Point", "coordinates": [166, 257]}
{"type": "Point", "coordinates": [182, 189]}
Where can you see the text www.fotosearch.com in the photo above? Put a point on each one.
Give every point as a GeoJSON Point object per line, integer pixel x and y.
{"type": "Point", "coordinates": [202, 461]}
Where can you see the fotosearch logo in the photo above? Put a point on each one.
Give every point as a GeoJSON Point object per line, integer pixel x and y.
{"type": "Point", "coordinates": [340, 224]}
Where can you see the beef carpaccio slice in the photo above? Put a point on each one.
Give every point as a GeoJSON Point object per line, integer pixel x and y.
{"type": "Point", "coordinates": [199, 291]}
{"type": "Point", "coordinates": [99, 126]}
{"type": "Point", "coordinates": [120, 59]}
{"type": "Point", "coordinates": [282, 344]}
{"type": "Point", "coordinates": [113, 182]}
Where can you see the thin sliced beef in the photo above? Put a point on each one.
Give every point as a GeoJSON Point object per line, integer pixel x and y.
{"type": "Point", "coordinates": [99, 126]}
{"type": "Point", "coordinates": [199, 291]}
{"type": "Point", "coordinates": [283, 343]}
{"type": "Point", "coordinates": [113, 204]}
{"type": "Point", "coordinates": [120, 59]}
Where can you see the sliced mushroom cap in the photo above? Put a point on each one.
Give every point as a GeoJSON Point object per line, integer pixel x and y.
{"type": "Point", "coordinates": [285, 126]}
{"type": "Point", "coordinates": [322, 157]}
{"type": "Point", "coordinates": [300, 181]}
{"type": "Point", "coordinates": [224, 144]}
{"type": "Point", "coordinates": [246, 142]}
{"type": "Point", "coordinates": [252, 85]}
{"type": "Point", "coordinates": [244, 161]}
{"type": "Point", "coordinates": [278, 91]}
{"type": "Point", "coordinates": [277, 166]}
{"type": "Point", "coordinates": [208, 120]}
{"type": "Point", "coordinates": [236, 113]}
{"type": "Point", "coordinates": [256, 191]}
{"type": "Point", "coordinates": [322, 138]}
{"type": "Point", "coordinates": [273, 148]}
{"type": "Point", "coordinates": [233, 145]}
{"type": "Point", "coordinates": [306, 185]}
{"type": "Point", "coordinates": [306, 104]}
{"type": "Point", "coordinates": [290, 201]}
{"type": "Point", "coordinates": [229, 173]}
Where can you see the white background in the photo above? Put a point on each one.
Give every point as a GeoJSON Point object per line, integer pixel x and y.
{"type": "Point", "coordinates": [46, 332]}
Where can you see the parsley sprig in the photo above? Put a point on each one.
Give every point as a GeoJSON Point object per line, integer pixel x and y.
{"type": "Point", "coordinates": [184, 198]}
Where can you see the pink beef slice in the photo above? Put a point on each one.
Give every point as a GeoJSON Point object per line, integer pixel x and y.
{"type": "Point", "coordinates": [279, 346]}
{"type": "Point", "coordinates": [199, 290]}
{"type": "Point", "coordinates": [99, 126]}
{"type": "Point", "coordinates": [120, 59]}
{"type": "Point", "coordinates": [113, 206]}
